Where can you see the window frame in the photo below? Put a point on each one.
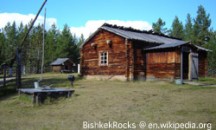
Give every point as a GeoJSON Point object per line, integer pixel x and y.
{"type": "Point", "coordinates": [105, 58]}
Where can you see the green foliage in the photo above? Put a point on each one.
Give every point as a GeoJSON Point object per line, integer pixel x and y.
{"type": "Point", "coordinates": [212, 55]}
{"type": "Point", "coordinates": [201, 26]}
{"type": "Point", "coordinates": [57, 44]}
{"type": "Point", "coordinates": [196, 30]}
{"type": "Point", "coordinates": [188, 29]}
{"type": "Point", "coordinates": [177, 29]}
{"type": "Point", "coordinates": [51, 45]}
{"type": "Point", "coordinates": [2, 47]}
{"type": "Point", "coordinates": [10, 32]}
{"type": "Point", "coordinates": [159, 26]}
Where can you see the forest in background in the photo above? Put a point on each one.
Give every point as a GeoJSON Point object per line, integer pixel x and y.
{"type": "Point", "coordinates": [196, 30]}
{"type": "Point", "coordinates": [60, 44]}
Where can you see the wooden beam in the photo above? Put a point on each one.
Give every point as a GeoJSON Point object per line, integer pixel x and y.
{"type": "Point", "coordinates": [181, 69]}
{"type": "Point", "coordinates": [127, 60]}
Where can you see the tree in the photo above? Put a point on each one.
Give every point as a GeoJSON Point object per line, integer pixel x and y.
{"type": "Point", "coordinates": [80, 42]}
{"type": "Point", "coordinates": [188, 29]}
{"type": "Point", "coordinates": [201, 26]}
{"type": "Point", "coordinates": [158, 27]}
{"type": "Point", "coordinates": [177, 29]}
{"type": "Point", "coordinates": [10, 42]}
{"type": "Point", "coordinates": [51, 45]}
{"type": "Point", "coordinates": [36, 48]}
{"type": "Point", "coordinates": [2, 47]}
{"type": "Point", "coordinates": [212, 55]}
{"type": "Point", "coordinates": [66, 44]}
{"type": "Point", "coordinates": [21, 32]}
{"type": "Point", "coordinates": [57, 44]}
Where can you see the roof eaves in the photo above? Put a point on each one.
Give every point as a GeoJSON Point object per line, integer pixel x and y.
{"type": "Point", "coordinates": [165, 46]}
{"type": "Point", "coordinates": [59, 61]}
{"type": "Point", "coordinates": [202, 48]}
{"type": "Point", "coordinates": [92, 35]}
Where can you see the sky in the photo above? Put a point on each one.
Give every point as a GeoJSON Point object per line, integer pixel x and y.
{"type": "Point", "coordinates": [85, 16]}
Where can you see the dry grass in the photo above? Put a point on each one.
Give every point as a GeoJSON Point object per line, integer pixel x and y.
{"type": "Point", "coordinates": [109, 101]}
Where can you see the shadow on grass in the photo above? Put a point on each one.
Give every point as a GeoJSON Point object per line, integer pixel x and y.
{"type": "Point", "coordinates": [11, 89]}
{"type": "Point", "coordinates": [8, 91]}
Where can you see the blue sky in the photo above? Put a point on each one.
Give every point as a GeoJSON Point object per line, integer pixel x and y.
{"type": "Point", "coordinates": [83, 15]}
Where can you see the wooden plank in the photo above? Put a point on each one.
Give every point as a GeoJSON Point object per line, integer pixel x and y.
{"type": "Point", "coordinates": [162, 64]}
{"type": "Point", "coordinates": [116, 52]}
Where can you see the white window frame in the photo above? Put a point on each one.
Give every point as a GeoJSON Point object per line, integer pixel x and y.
{"type": "Point", "coordinates": [103, 58]}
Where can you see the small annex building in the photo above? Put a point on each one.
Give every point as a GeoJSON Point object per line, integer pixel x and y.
{"type": "Point", "coordinates": [62, 65]}
{"type": "Point", "coordinates": [114, 52]}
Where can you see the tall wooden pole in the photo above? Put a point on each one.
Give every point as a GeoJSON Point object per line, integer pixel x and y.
{"type": "Point", "coordinates": [18, 69]}
{"type": "Point", "coordinates": [19, 50]}
{"type": "Point", "coordinates": [42, 62]}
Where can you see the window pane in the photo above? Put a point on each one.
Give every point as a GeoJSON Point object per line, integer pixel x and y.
{"type": "Point", "coordinates": [103, 58]}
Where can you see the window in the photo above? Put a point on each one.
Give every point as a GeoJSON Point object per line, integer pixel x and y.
{"type": "Point", "coordinates": [103, 58]}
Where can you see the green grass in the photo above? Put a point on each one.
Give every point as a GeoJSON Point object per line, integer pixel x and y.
{"type": "Point", "coordinates": [207, 80]}
{"type": "Point", "coordinates": [108, 101]}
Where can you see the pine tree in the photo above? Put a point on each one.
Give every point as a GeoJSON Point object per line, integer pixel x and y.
{"type": "Point", "coordinates": [188, 29]}
{"type": "Point", "coordinates": [201, 26]}
{"type": "Point", "coordinates": [36, 48]}
{"type": "Point", "coordinates": [10, 43]}
{"type": "Point", "coordinates": [212, 55]}
{"type": "Point", "coordinates": [2, 47]}
{"type": "Point", "coordinates": [21, 32]}
{"type": "Point", "coordinates": [64, 42]}
{"type": "Point", "coordinates": [81, 40]}
{"type": "Point", "coordinates": [51, 45]}
{"type": "Point", "coordinates": [158, 27]}
{"type": "Point", "coordinates": [177, 29]}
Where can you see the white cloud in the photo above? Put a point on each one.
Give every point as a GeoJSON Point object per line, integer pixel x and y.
{"type": "Point", "coordinates": [25, 19]}
{"type": "Point", "coordinates": [92, 25]}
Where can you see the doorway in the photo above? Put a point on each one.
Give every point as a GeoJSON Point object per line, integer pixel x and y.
{"type": "Point", "coordinates": [185, 65]}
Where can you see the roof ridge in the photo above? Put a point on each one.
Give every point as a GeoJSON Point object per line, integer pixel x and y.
{"type": "Point", "coordinates": [139, 31]}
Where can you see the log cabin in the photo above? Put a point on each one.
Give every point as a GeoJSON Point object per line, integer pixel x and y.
{"type": "Point", "coordinates": [62, 65]}
{"type": "Point", "coordinates": [114, 52]}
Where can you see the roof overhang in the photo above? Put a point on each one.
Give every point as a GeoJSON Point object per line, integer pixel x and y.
{"type": "Point", "coordinates": [174, 45]}
{"type": "Point", "coordinates": [166, 46]}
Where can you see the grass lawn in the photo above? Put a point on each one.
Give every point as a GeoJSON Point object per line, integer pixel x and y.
{"type": "Point", "coordinates": [155, 102]}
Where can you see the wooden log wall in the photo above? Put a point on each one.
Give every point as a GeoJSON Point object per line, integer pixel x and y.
{"type": "Point", "coordinates": [127, 58]}
{"type": "Point", "coordinates": [163, 64]}
{"type": "Point", "coordinates": [116, 55]}
{"type": "Point", "coordinates": [56, 68]}
{"type": "Point", "coordinates": [203, 64]}
{"type": "Point", "coordinates": [139, 71]}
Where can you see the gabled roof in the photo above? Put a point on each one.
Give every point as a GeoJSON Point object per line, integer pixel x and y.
{"type": "Point", "coordinates": [164, 41]}
{"type": "Point", "coordinates": [132, 34]}
{"type": "Point", "coordinates": [146, 36]}
{"type": "Point", "coordinates": [59, 61]}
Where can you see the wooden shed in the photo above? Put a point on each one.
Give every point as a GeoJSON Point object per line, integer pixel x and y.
{"type": "Point", "coordinates": [62, 65]}
{"type": "Point", "coordinates": [114, 52]}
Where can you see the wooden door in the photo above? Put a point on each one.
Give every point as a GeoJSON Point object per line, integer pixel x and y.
{"type": "Point", "coordinates": [194, 68]}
